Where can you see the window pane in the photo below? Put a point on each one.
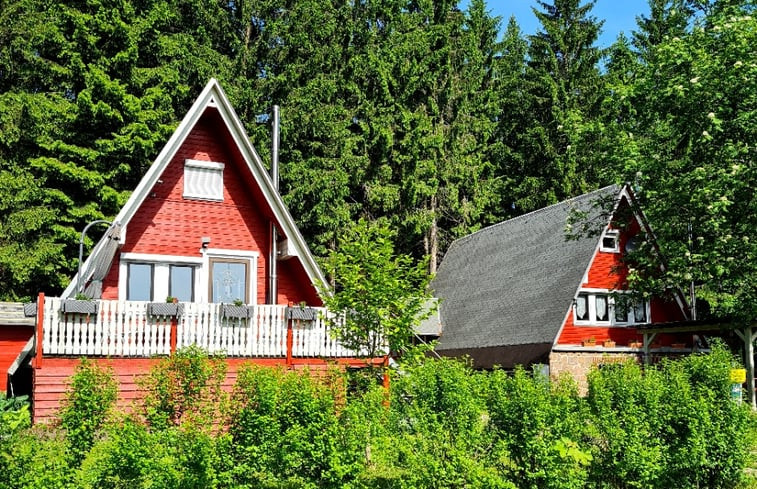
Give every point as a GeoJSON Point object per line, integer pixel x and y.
{"type": "Point", "coordinates": [582, 311]}
{"type": "Point", "coordinates": [182, 283]}
{"type": "Point", "coordinates": [139, 287]}
{"type": "Point", "coordinates": [601, 303]}
{"type": "Point", "coordinates": [229, 281]}
{"type": "Point", "coordinates": [621, 310]}
{"type": "Point", "coordinates": [640, 312]}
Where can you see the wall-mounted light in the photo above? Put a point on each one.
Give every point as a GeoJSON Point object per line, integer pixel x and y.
{"type": "Point", "coordinates": [205, 241]}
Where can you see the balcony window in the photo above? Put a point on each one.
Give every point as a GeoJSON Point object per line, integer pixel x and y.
{"type": "Point", "coordinates": [181, 282]}
{"type": "Point", "coordinates": [229, 280]}
{"type": "Point", "coordinates": [139, 282]}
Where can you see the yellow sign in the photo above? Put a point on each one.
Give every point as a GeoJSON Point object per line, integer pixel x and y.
{"type": "Point", "coordinates": [738, 375]}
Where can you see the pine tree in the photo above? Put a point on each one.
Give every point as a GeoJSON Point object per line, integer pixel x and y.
{"type": "Point", "coordinates": [564, 88]}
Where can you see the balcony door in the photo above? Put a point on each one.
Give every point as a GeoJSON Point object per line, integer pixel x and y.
{"type": "Point", "coordinates": [229, 280]}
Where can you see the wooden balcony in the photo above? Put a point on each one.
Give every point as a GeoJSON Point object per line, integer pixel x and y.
{"type": "Point", "coordinates": [136, 330]}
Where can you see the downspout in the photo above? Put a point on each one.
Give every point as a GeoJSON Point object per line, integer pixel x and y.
{"type": "Point", "coordinates": [273, 281]}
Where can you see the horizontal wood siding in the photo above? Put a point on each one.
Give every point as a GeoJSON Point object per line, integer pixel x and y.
{"type": "Point", "coordinates": [12, 341]}
{"type": "Point", "coordinates": [52, 379]}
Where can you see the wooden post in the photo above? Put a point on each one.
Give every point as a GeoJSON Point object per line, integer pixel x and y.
{"type": "Point", "coordinates": [386, 381]}
{"type": "Point", "coordinates": [290, 343]}
{"type": "Point", "coordinates": [749, 337]}
{"type": "Point", "coordinates": [174, 333]}
{"type": "Point", "coordinates": [40, 322]}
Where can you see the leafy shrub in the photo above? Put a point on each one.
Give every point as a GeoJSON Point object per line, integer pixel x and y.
{"type": "Point", "coordinates": [542, 426]}
{"type": "Point", "coordinates": [91, 396]}
{"type": "Point", "coordinates": [284, 428]}
{"type": "Point", "coordinates": [670, 426]}
{"type": "Point", "coordinates": [185, 388]}
{"type": "Point", "coordinates": [36, 459]}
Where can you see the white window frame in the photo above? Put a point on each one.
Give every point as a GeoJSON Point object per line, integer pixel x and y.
{"type": "Point", "coordinates": [251, 257]}
{"type": "Point", "coordinates": [212, 168]}
{"type": "Point", "coordinates": [160, 274]}
{"type": "Point", "coordinates": [611, 321]}
{"type": "Point", "coordinates": [614, 234]}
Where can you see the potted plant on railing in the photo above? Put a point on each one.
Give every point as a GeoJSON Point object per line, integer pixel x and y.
{"type": "Point", "coordinates": [590, 342]}
{"type": "Point", "coordinates": [301, 312]}
{"type": "Point", "coordinates": [608, 343]}
{"type": "Point", "coordinates": [80, 304]}
{"type": "Point", "coordinates": [635, 344]}
{"type": "Point", "coordinates": [170, 307]}
{"type": "Point", "coordinates": [237, 310]}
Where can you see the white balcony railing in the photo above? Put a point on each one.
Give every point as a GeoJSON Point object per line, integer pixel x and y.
{"type": "Point", "coordinates": [126, 329]}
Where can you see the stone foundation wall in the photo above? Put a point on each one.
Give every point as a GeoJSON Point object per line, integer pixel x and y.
{"type": "Point", "coordinates": [578, 364]}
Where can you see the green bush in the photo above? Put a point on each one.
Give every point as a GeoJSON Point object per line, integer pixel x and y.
{"type": "Point", "coordinates": [670, 426]}
{"type": "Point", "coordinates": [542, 426]}
{"type": "Point", "coordinates": [284, 428]}
{"type": "Point", "coordinates": [185, 388]}
{"type": "Point", "coordinates": [90, 397]}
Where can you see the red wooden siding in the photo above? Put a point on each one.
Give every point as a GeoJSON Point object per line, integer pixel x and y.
{"type": "Point", "coordinates": [607, 271]}
{"type": "Point", "coordinates": [12, 341]}
{"type": "Point", "coordinates": [168, 224]}
{"type": "Point", "coordinates": [52, 379]}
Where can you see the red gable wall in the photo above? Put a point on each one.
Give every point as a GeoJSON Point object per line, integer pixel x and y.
{"type": "Point", "coordinates": [168, 224]}
{"type": "Point", "coordinates": [607, 271]}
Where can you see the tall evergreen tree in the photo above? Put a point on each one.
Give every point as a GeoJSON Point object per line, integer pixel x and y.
{"type": "Point", "coordinates": [564, 87]}
{"type": "Point", "coordinates": [99, 86]}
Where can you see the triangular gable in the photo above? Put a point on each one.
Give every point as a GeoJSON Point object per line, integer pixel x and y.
{"type": "Point", "coordinates": [212, 96]}
{"type": "Point", "coordinates": [625, 193]}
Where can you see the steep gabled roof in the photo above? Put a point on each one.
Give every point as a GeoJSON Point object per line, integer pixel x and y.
{"type": "Point", "coordinates": [211, 98]}
{"type": "Point", "coordinates": [511, 284]}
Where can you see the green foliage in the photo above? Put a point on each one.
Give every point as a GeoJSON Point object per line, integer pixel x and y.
{"type": "Point", "coordinates": [695, 126]}
{"type": "Point", "coordinates": [185, 388]}
{"type": "Point", "coordinates": [36, 459]}
{"type": "Point", "coordinates": [284, 428]}
{"type": "Point", "coordinates": [378, 297]}
{"type": "Point", "coordinates": [669, 427]}
{"type": "Point", "coordinates": [14, 415]}
{"type": "Point", "coordinates": [443, 425]}
{"type": "Point", "coordinates": [543, 430]}
{"type": "Point", "coordinates": [89, 400]}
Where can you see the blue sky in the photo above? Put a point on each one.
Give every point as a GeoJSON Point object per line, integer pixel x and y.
{"type": "Point", "coordinates": [619, 15]}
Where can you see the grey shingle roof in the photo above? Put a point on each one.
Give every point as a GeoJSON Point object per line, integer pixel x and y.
{"type": "Point", "coordinates": [512, 283]}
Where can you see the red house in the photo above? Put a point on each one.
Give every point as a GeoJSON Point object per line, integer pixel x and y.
{"type": "Point", "coordinates": [521, 293]}
{"type": "Point", "coordinates": [203, 253]}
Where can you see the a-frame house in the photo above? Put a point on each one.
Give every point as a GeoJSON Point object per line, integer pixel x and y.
{"type": "Point", "coordinates": [204, 253]}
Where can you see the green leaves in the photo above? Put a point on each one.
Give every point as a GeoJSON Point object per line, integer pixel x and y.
{"type": "Point", "coordinates": [378, 296]}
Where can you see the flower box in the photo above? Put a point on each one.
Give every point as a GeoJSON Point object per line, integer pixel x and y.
{"type": "Point", "coordinates": [238, 312]}
{"type": "Point", "coordinates": [302, 313]}
{"type": "Point", "coordinates": [635, 344]}
{"type": "Point", "coordinates": [76, 306]}
{"type": "Point", "coordinates": [589, 342]}
{"type": "Point", "coordinates": [609, 344]}
{"type": "Point", "coordinates": [30, 309]}
{"type": "Point", "coordinates": [165, 309]}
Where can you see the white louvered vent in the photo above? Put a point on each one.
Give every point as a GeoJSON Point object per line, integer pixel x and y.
{"type": "Point", "coordinates": [203, 180]}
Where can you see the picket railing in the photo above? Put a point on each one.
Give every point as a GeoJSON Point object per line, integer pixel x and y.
{"type": "Point", "coordinates": [126, 329]}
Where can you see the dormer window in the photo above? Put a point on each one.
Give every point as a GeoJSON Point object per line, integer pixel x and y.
{"type": "Point", "coordinates": [203, 180]}
{"type": "Point", "coordinates": [610, 241]}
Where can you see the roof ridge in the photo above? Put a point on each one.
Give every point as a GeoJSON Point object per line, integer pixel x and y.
{"type": "Point", "coordinates": [536, 211]}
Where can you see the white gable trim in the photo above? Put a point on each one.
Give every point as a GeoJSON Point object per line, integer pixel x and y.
{"type": "Point", "coordinates": [213, 96]}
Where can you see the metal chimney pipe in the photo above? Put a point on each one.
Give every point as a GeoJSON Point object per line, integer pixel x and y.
{"type": "Point", "coordinates": [273, 280]}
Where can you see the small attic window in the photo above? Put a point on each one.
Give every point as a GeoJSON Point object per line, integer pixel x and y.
{"type": "Point", "coordinates": [610, 241]}
{"type": "Point", "coordinates": [203, 180]}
